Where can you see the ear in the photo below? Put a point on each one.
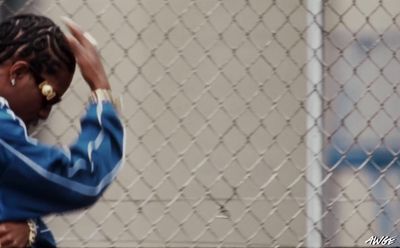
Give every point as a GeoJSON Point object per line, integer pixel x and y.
{"type": "Point", "coordinates": [19, 69]}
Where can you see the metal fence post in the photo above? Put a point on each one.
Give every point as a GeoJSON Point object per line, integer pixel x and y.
{"type": "Point", "coordinates": [314, 108]}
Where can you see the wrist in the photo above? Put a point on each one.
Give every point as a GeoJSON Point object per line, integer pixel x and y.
{"type": "Point", "coordinates": [105, 95]}
{"type": "Point", "coordinates": [100, 84]}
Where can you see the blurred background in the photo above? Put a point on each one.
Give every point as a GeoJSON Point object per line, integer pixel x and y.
{"type": "Point", "coordinates": [250, 123]}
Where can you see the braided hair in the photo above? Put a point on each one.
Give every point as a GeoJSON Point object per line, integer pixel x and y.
{"type": "Point", "coordinates": [38, 40]}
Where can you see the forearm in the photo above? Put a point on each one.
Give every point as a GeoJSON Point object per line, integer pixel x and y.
{"type": "Point", "coordinates": [97, 152]}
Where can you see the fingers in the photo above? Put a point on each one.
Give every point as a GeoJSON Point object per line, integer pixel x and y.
{"type": "Point", "coordinates": [83, 38]}
{"type": "Point", "coordinates": [83, 46]}
{"type": "Point", "coordinates": [8, 242]}
{"type": "Point", "coordinates": [5, 238]}
{"type": "Point", "coordinates": [74, 28]}
{"type": "Point", "coordinates": [3, 230]}
{"type": "Point", "coordinates": [14, 234]}
{"type": "Point", "coordinates": [91, 39]}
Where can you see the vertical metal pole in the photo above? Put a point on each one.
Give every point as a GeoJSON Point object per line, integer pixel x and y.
{"type": "Point", "coordinates": [314, 40]}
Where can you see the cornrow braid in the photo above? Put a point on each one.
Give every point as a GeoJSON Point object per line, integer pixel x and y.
{"type": "Point", "coordinates": [38, 40]}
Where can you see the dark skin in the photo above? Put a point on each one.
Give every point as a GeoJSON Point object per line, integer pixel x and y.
{"type": "Point", "coordinates": [14, 234]}
{"type": "Point", "coordinates": [28, 103]}
{"type": "Point", "coordinates": [25, 98]}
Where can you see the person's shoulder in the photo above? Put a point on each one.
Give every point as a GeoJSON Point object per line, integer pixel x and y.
{"type": "Point", "coordinates": [6, 114]}
{"type": "Point", "coordinates": [3, 103]}
{"type": "Point", "coordinates": [11, 125]}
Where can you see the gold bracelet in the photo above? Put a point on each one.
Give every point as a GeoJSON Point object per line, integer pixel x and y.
{"type": "Point", "coordinates": [104, 95]}
{"type": "Point", "coordinates": [100, 95]}
{"type": "Point", "coordinates": [32, 232]}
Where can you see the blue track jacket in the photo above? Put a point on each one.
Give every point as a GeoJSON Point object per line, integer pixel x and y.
{"type": "Point", "coordinates": [38, 179]}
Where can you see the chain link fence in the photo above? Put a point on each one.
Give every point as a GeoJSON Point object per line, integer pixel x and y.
{"type": "Point", "coordinates": [250, 123]}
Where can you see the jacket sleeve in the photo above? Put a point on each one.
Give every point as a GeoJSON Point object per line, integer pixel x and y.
{"type": "Point", "coordinates": [38, 179]}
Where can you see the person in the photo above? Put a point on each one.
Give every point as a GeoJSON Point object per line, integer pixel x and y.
{"type": "Point", "coordinates": [37, 63]}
